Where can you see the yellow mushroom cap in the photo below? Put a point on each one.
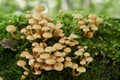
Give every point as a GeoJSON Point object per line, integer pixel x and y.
{"type": "Point", "coordinates": [35, 44]}
{"type": "Point", "coordinates": [86, 54]}
{"type": "Point", "coordinates": [67, 50]}
{"type": "Point", "coordinates": [79, 53]}
{"type": "Point", "coordinates": [59, 59]}
{"type": "Point", "coordinates": [30, 37]}
{"type": "Point", "coordinates": [43, 21]}
{"type": "Point", "coordinates": [89, 34]}
{"type": "Point", "coordinates": [29, 27]}
{"type": "Point", "coordinates": [83, 62]}
{"type": "Point", "coordinates": [99, 20]}
{"type": "Point", "coordinates": [45, 56]}
{"type": "Point", "coordinates": [62, 40]}
{"type": "Point", "coordinates": [38, 49]}
{"type": "Point", "coordinates": [24, 54]}
{"type": "Point", "coordinates": [45, 28]}
{"type": "Point", "coordinates": [94, 28]}
{"type": "Point", "coordinates": [39, 8]}
{"type": "Point", "coordinates": [89, 59]}
{"type": "Point", "coordinates": [73, 36]}
{"type": "Point", "coordinates": [57, 53]}
{"type": "Point", "coordinates": [92, 16]}
{"type": "Point", "coordinates": [47, 35]}
{"type": "Point", "coordinates": [36, 26]}
{"type": "Point", "coordinates": [47, 67]}
{"type": "Point", "coordinates": [50, 61]}
{"type": "Point", "coordinates": [32, 21]}
{"type": "Point", "coordinates": [49, 49]}
{"type": "Point", "coordinates": [37, 15]}
{"type": "Point", "coordinates": [58, 66]}
{"type": "Point", "coordinates": [77, 16]}
{"type": "Point", "coordinates": [21, 63]}
{"type": "Point", "coordinates": [11, 28]}
{"type": "Point", "coordinates": [23, 30]}
{"type": "Point", "coordinates": [31, 61]}
{"type": "Point", "coordinates": [28, 16]}
{"type": "Point", "coordinates": [81, 69]}
{"type": "Point", "coordinates": [86, 29]}
{"type": "Point", "coordinates": [51, 25]}
{"type": "Point", "coordinates": [68, 59]}
{"type": "Point", "coordinates": [74, 66]}
{"type": "Point", "coordinates": [58, 46]}
{"type": "Point", "coordinates": [68, 64]}
{"type": "Point", "coordinates": [36, 36]}
{"type": "Point", "coordinates": [58, 25]}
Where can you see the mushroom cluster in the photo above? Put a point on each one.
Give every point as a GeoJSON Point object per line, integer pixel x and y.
{"type": "Point", "coordinates": [41, 26]}
{"type": "Point", "coordinates": [90, 25]}
{"type": "Point", "coordinates": [57, 56]}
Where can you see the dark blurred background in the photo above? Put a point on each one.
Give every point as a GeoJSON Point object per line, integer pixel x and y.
{"type": "Point", "coordinates": [105, 7]}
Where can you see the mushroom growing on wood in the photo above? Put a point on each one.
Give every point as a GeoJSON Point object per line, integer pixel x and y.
{"type": "Point", "coordinates": [12, 29]}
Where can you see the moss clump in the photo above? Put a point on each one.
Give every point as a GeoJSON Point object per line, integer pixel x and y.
{"type": "Point", "coordinates": [105, 43]}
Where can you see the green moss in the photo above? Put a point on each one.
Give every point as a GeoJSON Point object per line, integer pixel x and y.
{"type": "Point", "coordinates": [106, 42]}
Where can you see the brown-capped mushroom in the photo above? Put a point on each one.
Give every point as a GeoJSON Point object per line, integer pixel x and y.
{"type": "Point", "coordinates": [58, 46]}
{"type": "Point", "coordinates": [45, 56]}
{"type": "Point", "coordinates": [39, 8]}
{"type": "Point", "coordinates": [49, 49]}
{"type": "Point", "coordinates": [79, 70]}
{"type": "Point", "coordinates": [22, 64]}
{"type": "Point", "coordinates": [58, 66]}
{"type": "Point", "coordinates": [12, 29]}
{"type": "Point", "coordinates": [50, 61]}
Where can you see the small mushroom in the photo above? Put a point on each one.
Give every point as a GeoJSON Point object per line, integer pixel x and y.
{"type": "Point", "coordinates": [49, 49]}
{"type": "Point", "coordinates": [83, 62]}
{"type": "Point", "coordinates": [39, 8]}
{"type": "Point", "coordinates": [47, 35]}
{"type": "Point", "coordinates": [92, 16]}
{"type": "Point", "coordinates": [58, 46]}
{"type": "Point", "coordinates": [12, 29]}
{"type": "Point", "coordinates": [23, 77]}
{"type": "Point", "coordinates": [79, 70]}
{"type": "Point", "coordinates": [68, 64]}
{"type": "Point", "coordinates": [88, 59]}
{"type": "Point", "coordinates": [78, 53]}
{"type": "Point", "coordinates": [59, 59]}
{"type": "Point", "coordinates": [22, 64]}
{"type": "Point", "coordinates": [67, 50]}
{"type": "Point", "coordinates": [45, 56]}
{"type": "Point", "coordinates": [38, 49]}
{"type": "Point", "coordinates": [86, 54]}
{"type": "Point", "coordinates": [58, 66]}
{"type": "Point", "coordinates": [50, 61]}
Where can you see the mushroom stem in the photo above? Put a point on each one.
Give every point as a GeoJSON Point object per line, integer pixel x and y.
{"type": "Point", "coordinates": [87, 64]}
{"type": "Point", "coordinates": [75, 74]}
{"type": "Point", "coordinates": [31, 32]}
{"type": "Point", "coordinates": [74, 57]}
{"type": "Point", "coordinates": [25, 68]}
{"type": "Point", "coordinates": [14, 36]}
